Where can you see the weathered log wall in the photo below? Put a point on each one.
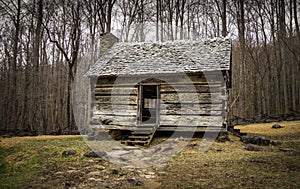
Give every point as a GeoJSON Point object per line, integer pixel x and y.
{"type": "Point", "coordinates": [115, 105]}
{"type": "Point", "coordinates": [183, 101]}
{"type": "Point", "coordinates": [199, 103]}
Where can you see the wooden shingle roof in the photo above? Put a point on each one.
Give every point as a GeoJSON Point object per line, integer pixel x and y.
{"type": "Point", "coordinates": [163, 58]}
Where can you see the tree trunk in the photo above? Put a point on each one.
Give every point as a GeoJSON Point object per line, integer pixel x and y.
{"type": "Point", "coordinates": [109, 14]}
{"type": "Point", "coordinates": [224, 17]}
{"type": "Point", "coordinates": [13, 118]}
{"type": "Point", "coordinates": [36, 63]}
{"type": "Point", "coordinates": [296, 60]}
{"type": "Point", "coordinates": [282, 40]}
{"type": "Point", "coordinates": [241, 32]}
{"type": "Point", "coordinates": [161, 21]}
{"type": "Point", "coordinates": [182, 11]}
{"type": "Point", "coordinates": [157, 19]}
{"type": "Point", "coordinates": [176, 18]}
{"type": "Point", "coordinates": [296, 18]}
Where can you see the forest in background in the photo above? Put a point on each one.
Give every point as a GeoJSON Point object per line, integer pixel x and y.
{"type": "Point", "coordinates": [42, 43]}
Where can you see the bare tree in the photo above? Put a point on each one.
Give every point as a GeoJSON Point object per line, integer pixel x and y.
{"type": "Point", "coordinates": [222, 9]}
{"type": "Point", "coordinates": [42, 43]}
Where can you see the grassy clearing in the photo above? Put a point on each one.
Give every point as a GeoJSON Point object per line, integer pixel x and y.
{"type": "Point", "coordinates": [229, 165]}
{"type": "Point", "coordinates": [289, 134]}
{"type": "Point", "coordinates": [25, 157]}
{"type": "Point", "coordinates": [289, 128]}
{"type": "Point", "coordinates": [37, 161]}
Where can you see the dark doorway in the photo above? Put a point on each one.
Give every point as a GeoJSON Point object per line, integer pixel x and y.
{"type": "Point", "coordinates": [149, 104]}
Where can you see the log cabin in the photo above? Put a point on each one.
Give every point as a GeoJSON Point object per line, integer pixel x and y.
{"type": "Point", "coordinates": [148, 87]}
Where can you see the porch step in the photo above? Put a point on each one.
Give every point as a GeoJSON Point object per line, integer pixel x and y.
{"type": "Point", "coordinates": [147, 129]}
{"type": "Point", "coordinates": [138, 142]}
{"type": "Point", "coordinates": [141, 132]}
{"type": "Point", "coordinates": [140, 136]}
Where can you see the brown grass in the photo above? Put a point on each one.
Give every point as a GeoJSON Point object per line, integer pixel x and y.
{"type": "Point", "coordinates": [291, 127]}
{"type": "Point", "coordinates": [34, 161]}
{"type": "Point", "coordinates": [229, 165]}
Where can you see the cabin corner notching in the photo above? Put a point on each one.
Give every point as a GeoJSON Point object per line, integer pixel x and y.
{"type": "Point", "coordinates": [169, 86]}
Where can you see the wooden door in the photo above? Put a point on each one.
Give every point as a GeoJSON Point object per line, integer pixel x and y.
{"type": "Point", "coordinates": [148, 104]}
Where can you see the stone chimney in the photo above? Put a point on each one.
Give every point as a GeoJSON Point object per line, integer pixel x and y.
{"type": "Point", "coordinates": [107, 40]}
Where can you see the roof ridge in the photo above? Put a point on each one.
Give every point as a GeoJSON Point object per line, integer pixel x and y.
{"type": "Point", "coordinates": [203, 40]}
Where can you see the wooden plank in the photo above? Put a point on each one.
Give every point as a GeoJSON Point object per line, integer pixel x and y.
{"type": "Point", "coordinates": [116, 99]}
{"type": "Point", "coordinates": [189, 97]}
{"type": "Point", "coordinates": [164, 83]}
{"type": "Point", "coordinates": [151, 137]}
{"type": "Point", "coordinates": [195, 124]}
{"type": "Point", "coordinates": [112, 113]}
{"type": "Point", "coordinates": [116, 90]}
{"type": "Point", "coordinates": [189, 109]}
{"type": "Point", "coordinates": [119, 127]}
{"type": "Point", "coordinates": [116, 112]}
{"type": "Point", "coordinates": [192, 106]}
{"type": "Point", "coordinates": [115, 127]}
{"type": "Point", "coordinates": [116, 120]}
{"type": "Point", "coordinates": [137, 141]}
{"type": "Point", "coordinates": [190, 112]}
{"type": "Point", "coordinates": [99, 86]}
{"type": "Point", "coordinates": [204, 88]}
{"type": "Point", "coordinates": [191, 120]}
{"type": "Point", "coordinates": [139, 137]}
{"type": "Point", "coordinates": [195, 117]}
{"type": "Point", "coordinates": [191, 129]}
{"type": "Point", "coordinates": [108, 103]}
{"type": "Point", "coordinates": [119, 107]}
{"type": "Point", "coordinates": [174, 79]}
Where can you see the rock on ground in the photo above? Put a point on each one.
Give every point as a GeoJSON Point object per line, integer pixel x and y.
{"type": "Point", "coordinates": [68, 153]}
{"type": "Point", "coordinates": [251, 147]}
{"type": "Point", "coordinates": [276, 126]}
{"type": "Point", "coordinates": [258, 140]}
{"type": "Point", "coordinates": [94, 154]}
{"type": "Point", "coordinates": [223, 137]}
